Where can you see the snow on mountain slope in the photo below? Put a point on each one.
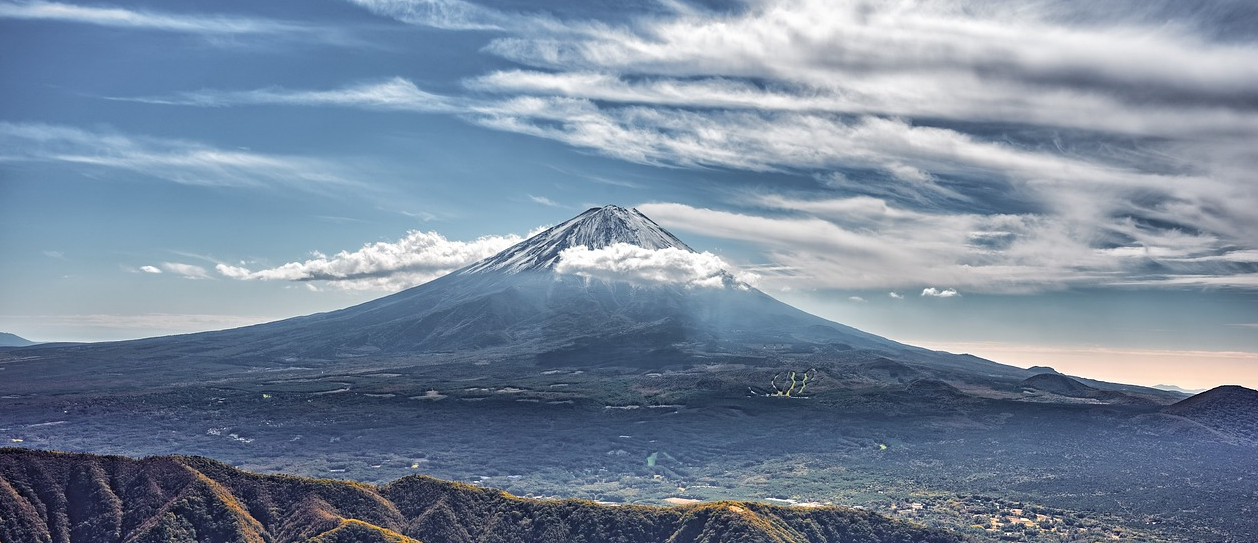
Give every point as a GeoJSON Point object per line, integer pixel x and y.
{"type": "Point", "coordinates": [597, 228]}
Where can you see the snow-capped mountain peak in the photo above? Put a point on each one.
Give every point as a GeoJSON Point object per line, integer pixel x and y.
{"type": "Point", "coordinates": [596, 228]}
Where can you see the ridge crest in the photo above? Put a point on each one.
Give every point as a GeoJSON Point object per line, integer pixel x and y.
{"type": "Point", "coordinates": [595, 228]}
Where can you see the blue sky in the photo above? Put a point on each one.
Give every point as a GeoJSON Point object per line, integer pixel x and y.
{"type": "Point", "coordinates": [1060, 183]}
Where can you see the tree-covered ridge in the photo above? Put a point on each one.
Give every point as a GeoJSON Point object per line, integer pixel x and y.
{"type": "Point", "coordinates": [81, 498]}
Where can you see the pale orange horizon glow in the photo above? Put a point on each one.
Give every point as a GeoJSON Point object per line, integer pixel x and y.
{"type": "Point", "coordinates": [1187, 368]}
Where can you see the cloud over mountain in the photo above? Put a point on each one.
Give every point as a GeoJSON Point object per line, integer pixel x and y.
{"type": "Point", "coordinates": [627, 262]}
{"type": "Point", "coordinates": [417, 258]}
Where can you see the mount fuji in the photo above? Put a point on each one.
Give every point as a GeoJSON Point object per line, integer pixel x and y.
{"type": "Point", "coordinates": [529, 305]}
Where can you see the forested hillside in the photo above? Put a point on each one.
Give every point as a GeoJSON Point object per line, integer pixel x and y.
{"type": "Point", "coordinates": [80, 498]}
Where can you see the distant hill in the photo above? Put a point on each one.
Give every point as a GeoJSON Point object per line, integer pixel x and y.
{"type": "Point", "coordinates": [1059, 384]}
{"type": "Point", "coordinates": [1069, 387]}
{"type": "Point", "coordinates": [13, 340]}
{"type": "Point", "coordinates": [1229, 409]}
{"type": "Point", "coordinates": [1176, 388]}
{"type": "Point", "coordinates": [79, 498]}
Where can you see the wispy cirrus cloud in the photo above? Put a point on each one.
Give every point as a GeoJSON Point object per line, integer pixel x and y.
{"type": "Point", "coordinates": [948, 47]}
{"type": "Point", "coordinates": [447, 14]}
{"type": "Point", "coordinates": [1023, 145]}
{"type": "Point", "coordinates": [178, 161]}
{"type": "Point", "coordinates": [389, 266]}
{"type": "Point", "coordinates": [543, 201]}
{"type": "Point", "coordinates": [395, 94]}
{"type": "Point", "coordinates": [187, 271]}
{"type": "Point", "coordinates": [973, 100]}
{"type": "Point", "coordinates": [202, 24]}
{"type": "Point", "coordinates": [1016, 145]}
{"type": "Point", "coordinates": [866, 243]}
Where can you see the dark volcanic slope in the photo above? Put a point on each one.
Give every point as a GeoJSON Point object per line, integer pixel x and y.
{"type": "Point", "coordinates": [1057, 383]}
{"type": "Point", "coordinates": [1061, 385]}
{"type": "Point", "coordinates": [1230, 409]}
{"type": "Point", "coordinates": [76, 498]}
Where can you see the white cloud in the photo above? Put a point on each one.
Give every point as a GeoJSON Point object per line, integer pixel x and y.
{"type": "Point", "coordinates": [933, 292]}
{"type": "Point", "coordinates": [627, 262]}
{"type": "Point", "coordinates": [543, 200]}
{"type": "Point", "coordinates": [807, 251]}
{"type": "Point", "coordinates": [1082, 201]}
{"type": "Point", "coordinates": [856, 299]}
{"type": "Point", "coordinates": [389, 266]}
{"type": "Point", "coordinates": [150, 269]}
{"type": "Point", "coordinates": [913, 157]}
{"type": "Point", "coordinates": [870, 249]}
{"type": "Point", "coordinates": [831, 87]}
{"type": "Point", "coordinates": [448, 14]}
{"type": "Point", "coordinates": [972, 99]}
{"type": "Point", "coordinates": [1241, 280]}
{"type": "Point", "coordinates": [895, 296]}
{"type": "Point", "coordinates": [395, 94]}
{"type": "Point", "coordinates": [149, 20]}
{"type": "Point", "coordinates": [187, 271]}
{"type": "Point", "coordinates": [179, 161]}
{"type": "Point", "coordinates": [865, 243]}
{"type": "Point", "coordinates": [895, 53]}
{"type": "Point", "coordinates": [997, 146]}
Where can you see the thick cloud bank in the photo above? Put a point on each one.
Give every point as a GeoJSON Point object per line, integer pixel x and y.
{"type": "Point", "coordinates": [417, 258]}
{"type": "Point", "coordinates": [627, 262]}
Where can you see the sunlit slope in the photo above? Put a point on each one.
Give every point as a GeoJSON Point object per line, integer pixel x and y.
{"type": "Point", "coordinates": [77, 498]}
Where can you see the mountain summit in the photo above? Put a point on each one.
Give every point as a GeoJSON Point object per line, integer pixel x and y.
{"type": "Point", "coordinates": [596, 228]}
